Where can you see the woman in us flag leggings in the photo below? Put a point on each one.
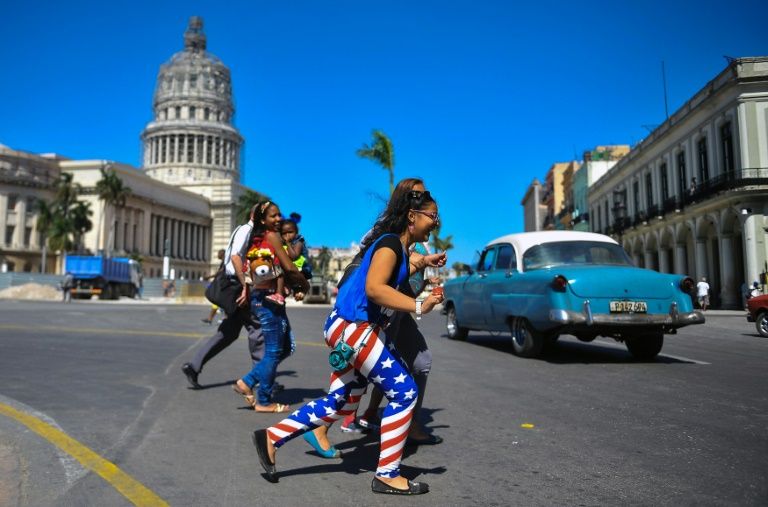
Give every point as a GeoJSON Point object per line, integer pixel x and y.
{"type": "Point", "coordinates": [359, 319]}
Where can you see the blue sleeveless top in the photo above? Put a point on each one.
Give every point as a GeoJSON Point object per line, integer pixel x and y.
{"type": "Point", "coordinates": [352, 303]}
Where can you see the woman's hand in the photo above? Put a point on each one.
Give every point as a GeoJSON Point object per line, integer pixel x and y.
{"type": "Point", "coordinates": [242, 299]}
{"type": "Point", "coordinates": [436, 260]}
{"type": "Point", "coordinates": [430, 302]}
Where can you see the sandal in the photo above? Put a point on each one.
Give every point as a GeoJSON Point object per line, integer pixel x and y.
{"type": "Point", "coordinates": [276, 409]}
{"type": "Point", "coordinates": [249, 397]}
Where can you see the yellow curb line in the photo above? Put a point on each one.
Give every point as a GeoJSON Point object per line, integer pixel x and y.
{"type": "Point", "coordinates": [19, 327]}
{"type": "Point", "coordinates": [129, 487]}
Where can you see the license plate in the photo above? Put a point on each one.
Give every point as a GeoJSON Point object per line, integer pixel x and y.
{"type": "Point", "coordinates": [628, 307]}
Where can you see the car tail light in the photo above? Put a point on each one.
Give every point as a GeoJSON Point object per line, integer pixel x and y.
{"type": "Point", "coordinates": [559, 283]}
{"type": "Point", "coordinates": [686, 284]}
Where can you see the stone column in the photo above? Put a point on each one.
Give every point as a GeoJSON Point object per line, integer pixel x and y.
{"type": "Point", "coordinates": [729, 296]}
{"type": "Point", "coordinates": [648, 259]}
{"type": "Point", "coordinates": [174, 239]}
{"type": "Point", "coordinates": [701, 258]}
{"type": "Point", "coordinates": [3, 216]}
{"type": "Point", "coordinates": [681, 259]}
{"type": "Point", "coordinates": [21, 220]}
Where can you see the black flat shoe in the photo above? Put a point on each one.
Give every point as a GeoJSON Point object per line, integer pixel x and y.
{"type": "Point", "coordinates": [191, 375]}
{"type": "Point", "coordinates": [431, 440]}
{"type": "Point", "coordinates": [260, 442]}
{"type": "Point", "coordinates": [414, 488]}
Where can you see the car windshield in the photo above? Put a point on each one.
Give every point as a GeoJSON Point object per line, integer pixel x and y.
{"type": "Point", "coordinates": [574, 252]}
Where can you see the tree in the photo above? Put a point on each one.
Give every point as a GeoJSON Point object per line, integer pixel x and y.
{"type": "Point", "coordinates": [63, 220]}
{"type": "Point", "coordinates": [244, 204]}
{"type": "Point", "coordinates": [382, 152]}
{"type": "Point", "coordinates": [321, 262]}
{"type": "Point", "coordinates": [81, 222]}
{"type": "Point", "coordinates": [441, 244]}
{"type": "Point", "coordinates": [460, 267]}
{"type": "Point", "coordinates": [113, 193]}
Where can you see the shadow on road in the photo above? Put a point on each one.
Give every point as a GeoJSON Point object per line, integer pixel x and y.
{"type": "Point", "coordinates": [574, 352]}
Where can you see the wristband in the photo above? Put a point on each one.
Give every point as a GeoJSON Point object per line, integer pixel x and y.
{"type": "Point", "coordinates": [418, 310]}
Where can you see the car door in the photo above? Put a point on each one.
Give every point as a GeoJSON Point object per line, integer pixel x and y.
{"type": "Point", "coordinates": [498, 288]}
{"type": "Point", "coordinates": [473, 296]}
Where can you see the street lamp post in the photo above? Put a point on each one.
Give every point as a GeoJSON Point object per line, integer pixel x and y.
{"type": "Point", "coordinates": [619, 212]}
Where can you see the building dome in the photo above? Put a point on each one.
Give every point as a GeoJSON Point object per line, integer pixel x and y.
{"type": "Point", "coordinates": [192, 138]}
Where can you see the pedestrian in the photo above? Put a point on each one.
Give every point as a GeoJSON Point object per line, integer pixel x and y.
{"type": "Point", "coordinates": [229, 329]}
{"type": "Point", "coordinates": [214, 308]}
{"type": "Point", "coordinates": [67, 284]}
{"type": "Point", "coordinates": [275, 327]}
{"type": "Point", "coordinates": [755, 290]}
{"type": "Point", "coordinates": [702, 293]}
{"type": "Point", "coordinates": [362, 351]}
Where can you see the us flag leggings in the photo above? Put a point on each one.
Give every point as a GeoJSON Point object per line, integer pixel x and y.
{"type": "Point", "coordinates": [376, 362]}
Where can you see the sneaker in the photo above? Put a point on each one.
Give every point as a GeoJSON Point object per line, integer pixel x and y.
{"type": "Point", "coordinates": [369, 422]}
{"type": "Point", "coordinates": [349, 425]}
{"type": "Point", "coordinates": [206, 321]}
{"type": "Point", "coordinates": [191, 375]}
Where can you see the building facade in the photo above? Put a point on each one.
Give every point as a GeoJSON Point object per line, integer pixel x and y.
{"type": "Point", "coordinates": [191, 141]}
{"type": "Point", "coordinates": [692, 198]}
{"type": "Point", "coordinates": [554, 195]}
{"type": "Point", "coordinates": [24, 178]}
{"type": "Point", "coordinates": [595, 164]}
{"type": "Point", "coordinates": [534, 209]}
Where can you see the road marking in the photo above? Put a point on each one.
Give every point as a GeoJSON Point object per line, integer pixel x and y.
{"type": "Point", "coordinates": [527, 426]}
{"type": "Point", "coordinates": [95, 330]}
{"type": "Point", "coordinates": [130, 488]}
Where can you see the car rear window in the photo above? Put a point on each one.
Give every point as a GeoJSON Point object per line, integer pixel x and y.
{"type": "Point", "coordinates": [574, 252]}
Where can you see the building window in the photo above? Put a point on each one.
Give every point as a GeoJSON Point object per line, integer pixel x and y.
{"type": "Point", "coordinates": [162, 150]}
{"type": "Point", "coordinates": [607, 215]}
{"type": "Point", "coordinates": [27, 236]}
{"type": "Point", "coordinates": [12, 200]}
{"type": "Point", "coordinates": [703, 160]}
{"type": "Point", "coordinates": [681, 171]}
{"type": "Point", "coordinates": [9, 230]}
{"type": "Point", "coordinates": [190, 149]}
{"type": "Point", "coordinates": [648, 191]}
{"type": "Point", "coordinates": [218, 151]}
{"type": "Point", "coordinates": [636, 196]}
{"type": "Point", "coordinates": [193, 81]}
{"type": "Point", "coordinates": [206, 114]}
{"type": "Point", "coordinates": [209, 146]}
{"type": "Point", "coordinates": [726, 143]}
{"type": "Point", "coordinates": [192, 112]}
{"type": "Point", "coordinates": [199, 149]}
{"type": "Point", "coordinates": [178, 112]}
{"type": "Point", "coordinates": [172, 147]}
{"type": "Point", "coordinates": [664, 182]}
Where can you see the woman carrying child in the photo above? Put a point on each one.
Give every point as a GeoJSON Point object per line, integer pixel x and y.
{"type": "Point", "coordinates": [270, 311]}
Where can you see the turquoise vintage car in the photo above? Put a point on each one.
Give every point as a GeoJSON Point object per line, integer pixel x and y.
{"type": "Point", "coordinates": [539, 285]}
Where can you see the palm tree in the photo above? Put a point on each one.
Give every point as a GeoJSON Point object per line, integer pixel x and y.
{"type": "Point", "coordinates": [441, 244]}
{"type": "Point", "coordinates": [321, 262]}
{"type": "Point", "coordinates": [244, 204]}
{"type": "Point", "coordinates": [43, 226]}
{"type": "Point", "coordinates": [382, 152]}
{"type": "Point", "coordinates": [113, 192]}
{"type": "Point", "coordinates": [81, 222]}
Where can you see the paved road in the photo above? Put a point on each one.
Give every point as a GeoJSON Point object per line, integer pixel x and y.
{"type": "Point", "coordinates": [688, 429]}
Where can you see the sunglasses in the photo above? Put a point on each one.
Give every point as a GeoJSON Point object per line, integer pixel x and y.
{"type": "Point", "coordinates": [416, 195]}
{"type": "Point", "coordinates": [431, 214]}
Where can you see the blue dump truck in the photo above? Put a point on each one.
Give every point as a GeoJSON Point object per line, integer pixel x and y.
{"type": "Point", "coordinates": [106, 277]}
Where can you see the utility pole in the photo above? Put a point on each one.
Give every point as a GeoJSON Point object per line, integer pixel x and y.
{"type": "Point", "coordinates": [664, 82]}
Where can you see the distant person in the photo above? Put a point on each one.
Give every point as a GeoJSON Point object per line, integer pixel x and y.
{"type": "Point", "coordinates": [67, 283]}
{"type": "Point", "coordinates": [702, 293]}
{"type": "Point", "coordinates": [755, 290]}
{"type": "Point", "coordinates": [229, 329]}
{"type": "Point", "coordinates": [692, 190]}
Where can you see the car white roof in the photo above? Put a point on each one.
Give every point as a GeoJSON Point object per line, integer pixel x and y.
{"type": "Point", "coordinates": [524, 240]}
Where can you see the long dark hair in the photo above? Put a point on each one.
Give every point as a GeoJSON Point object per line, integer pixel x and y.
{"type": "Point", "coordinates": [394, 218]}
{"type": "Point", "coordinates": [258, 212]}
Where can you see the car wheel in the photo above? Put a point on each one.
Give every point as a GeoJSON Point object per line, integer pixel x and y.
{"type": "Point", "coordinates": [526, 341]}
{"type": "Point", "coordinates": [761, 323]}
{"type": "Point", "coordinates": [646, 346]}
{"type": "Point", "coordinates": [455, 331]}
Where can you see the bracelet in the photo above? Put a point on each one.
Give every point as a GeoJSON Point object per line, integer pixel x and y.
{"type": "Point", "coordinates": [418, 310]}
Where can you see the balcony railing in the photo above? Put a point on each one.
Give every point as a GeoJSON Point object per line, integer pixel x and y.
{"type": "Point", "coordinates": [727, 181]}
{"type": "Point", "coordinates": [672, 204]}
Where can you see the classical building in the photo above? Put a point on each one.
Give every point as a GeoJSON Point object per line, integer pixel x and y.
{"type": "Point", "coordinates": [153, 212]}
{"type": "Point", "coordinates": [24, 178]}
{"type": "Point", "coordinates": [596, 163]}
{"type": "Point", "coordinates": [534, 208]}
{"type": "Point", "coordinates": [692, 198]}
{"type": "Point", "coordinates": [554, 192]}
{"type": "Point", "coordinates": [191, 141]}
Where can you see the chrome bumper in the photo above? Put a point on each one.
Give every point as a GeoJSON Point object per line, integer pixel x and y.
{"type": "Point", "coordinates": [673, 319]}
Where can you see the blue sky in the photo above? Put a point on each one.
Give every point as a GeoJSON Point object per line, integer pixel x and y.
{"type": "Point", "coordinates": [479, 97]}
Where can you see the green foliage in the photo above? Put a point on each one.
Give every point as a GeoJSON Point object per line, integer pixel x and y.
{"type": "Point", "coordinates": [460, 267]}
{"type": "Point", "coordinates": [382, 152]}
{"type": "Point", "coordinates": [244, 204]}
{"type": "Point", "coordinates": [111, 188]}
{"type": "Point", "coordinates": [321, 261]}
{"type": "Point", "coordinates": [441, 244]}
{"type": "Point", "coordinates": [64, 220]}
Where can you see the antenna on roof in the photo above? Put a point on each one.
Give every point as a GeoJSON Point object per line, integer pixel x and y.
{"type": "Point", "coordinates": [664, 81]}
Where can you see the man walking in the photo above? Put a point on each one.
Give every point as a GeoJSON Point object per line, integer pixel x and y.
{"type": "Point", "coordinates": [702, 293]}
{"type": "Point", "coordinates": [229, 329]}
{"type": "Point", "coordinates": [66, 287]}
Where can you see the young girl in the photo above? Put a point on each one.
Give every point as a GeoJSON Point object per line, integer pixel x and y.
{"type": "Point", "coordinates": [274, 321]}
{"type": "Point", "coordinates": [364, 305]}
{"type": "Point", "coordinates": [295, 245]}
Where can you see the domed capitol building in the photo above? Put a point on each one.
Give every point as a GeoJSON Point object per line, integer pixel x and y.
{"type": "Point", "coordinates": [182, 199]}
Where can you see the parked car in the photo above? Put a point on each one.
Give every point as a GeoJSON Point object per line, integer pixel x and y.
{"type": "Point", "coordinates": [758, 313]}
{"type": "Point", "coordinates": [539, 285]}
{"type": "Point", "coordinates": [318, 291]}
